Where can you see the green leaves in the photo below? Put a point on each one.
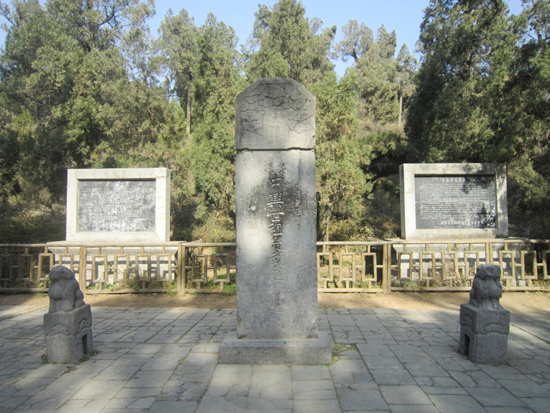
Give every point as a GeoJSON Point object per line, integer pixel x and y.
{"type": "Point", "coordinates": [340, 181]}
{"type": "Point", "coordinates": [465, 46]}
{"type": "Point", "coordinates": [84, 84]}
{"type": "Point", "coordinates": [482, 96]}
{"type": "Point", "coordinates": [285, 44]}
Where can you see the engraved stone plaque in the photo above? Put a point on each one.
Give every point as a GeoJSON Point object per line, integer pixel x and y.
{"type": "Point", "coordinates": [455, 202]}
{"type": "Point", "coordinates": [116, 206]}
{"type": "Point", "coordinates": [443, 201]}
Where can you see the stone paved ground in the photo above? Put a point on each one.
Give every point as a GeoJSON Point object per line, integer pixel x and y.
{"type": "Point", "coordinates": [165, 360]}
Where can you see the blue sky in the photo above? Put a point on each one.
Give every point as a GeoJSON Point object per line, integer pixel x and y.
{"type": "Point", "coordinates": [403, 16]}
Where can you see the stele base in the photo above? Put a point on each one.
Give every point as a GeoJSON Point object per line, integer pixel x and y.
{"type": "Point", "coordinates": [292, 351]}
{"type": "Point", "coordinates": [68, 335]}
{"type": "Point", "coordinates": [484, 334]}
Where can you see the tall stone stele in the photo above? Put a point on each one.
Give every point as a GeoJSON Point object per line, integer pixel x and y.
{"type": "Point", "coordinates": [68, 324]}
{"type": "Point", "coordinates": [277, 308]}
{"type": "Point", "coordinates": [484, 324]}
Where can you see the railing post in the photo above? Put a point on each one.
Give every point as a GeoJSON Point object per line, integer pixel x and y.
{"type": "Point", "coordinates": [83, 252]}
{"type": "Point", "coordinates": [182, 257]}
{"type": "Point", "coordinates": [386, 274]}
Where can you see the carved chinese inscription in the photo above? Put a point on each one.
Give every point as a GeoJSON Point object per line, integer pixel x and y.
{"type": "Point", "coordinates": [275, 215]}
{"type": "Point", "coordinates": [116, 205]}
{"type": "Point", "coordinates": [455, 202]}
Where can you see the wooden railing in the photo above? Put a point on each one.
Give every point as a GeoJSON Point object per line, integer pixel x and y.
{"type": "Point", "coordinates": [373, 267]}
{"type": "Point", "coordinates": [451, 265]}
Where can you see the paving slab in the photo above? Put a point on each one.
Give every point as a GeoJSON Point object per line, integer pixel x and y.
{"type": "Point", "coordinates": [494, 397]}
{"type": "Point", "coordinates": [392, 377]}
{"type": "Point", "coordinates": [456, 404]}
{"type": "Point", "coordinates": [405, 395]}
{"type": "Point", "coordinates": [360, 400]}
{"type": "Point", "coordinates": [166, 360]}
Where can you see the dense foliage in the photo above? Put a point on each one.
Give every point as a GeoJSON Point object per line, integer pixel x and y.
{"type": "Point", "coordinates": [85, 84]}
{"type": "Point", "coordinates": [483, 95]}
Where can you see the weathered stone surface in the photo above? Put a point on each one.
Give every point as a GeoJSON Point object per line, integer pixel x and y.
{"type": "Point", "coordinates": [243, 351]}
{"type": "Point", "coordinates": [486, 289]}
{"type": "Point", "coordinates": [484, 334]}
{"type": "Point", "coordinates": [68, 325]}
{"type": "Point", "coordinates": [275, 114]}
{"type": "Point", "coordinates": [118, 204]}
{"type": "Point", "coordinates": [68, 335]}
{"type": "Point", "coordinates": [485, 321]}
{"type": "Point", "coordinates": [444, 201]}
{"type": "Point", "coordinates": [276, 262]}
{"type": "Point", "coordinates": [484, 324]}
{"type": "Point", "coordinates": [277, 311]}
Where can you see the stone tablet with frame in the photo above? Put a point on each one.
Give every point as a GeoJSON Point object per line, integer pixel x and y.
{"type": "Point", "coordinates": [120, 205]}
{"type": "Point", "coordinates": [442, 201]}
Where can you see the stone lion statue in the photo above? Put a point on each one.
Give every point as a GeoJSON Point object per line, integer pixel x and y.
{"type": "Point", "coordinates": [486, 289]}
{"type": "Point", "coordinates": [64, 291]}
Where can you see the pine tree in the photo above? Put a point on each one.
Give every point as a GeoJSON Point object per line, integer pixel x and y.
{"type": "Point", "coordinates": [465, 46]}
{"type": "Point", "coordinates": [340, 181]}
{"type": "Point", "coordinates": [285, 44]}
{"type": "Point", "coordinates": [522, 122]}
{"type": "Point", "coordinates": [177, 46]}
{"type": "Point", "coordinates": [215, 88]}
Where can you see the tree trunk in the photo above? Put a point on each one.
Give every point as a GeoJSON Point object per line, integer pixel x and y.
{"type": "Point", "coordinates": [400, 110]}
{"type": "Point", "coordinates": [188, 113]}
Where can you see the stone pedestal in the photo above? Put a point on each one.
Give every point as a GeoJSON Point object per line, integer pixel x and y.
{"type": "Point", "coordinates": [68, 335]}
{"type": "Point", "coordinates": [484, 334]}
{"type": "Point", "coordinates": [484, 324]}
{"type": "Point", "coordinates": [68, 324]}
{"type": "Point", "coordinates": [277, 308]}
{"type": "Point", "coordinates": [292, 351]}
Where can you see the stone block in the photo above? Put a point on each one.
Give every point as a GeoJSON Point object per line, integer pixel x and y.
{"type": "Point", "coordinates": [68, 335]}
{"type": "Point", "coordinates": [484, 334]}
{"type": "Point", "coordinates": [483, 321]}
{"type": "Point", "coordinates": [290, 351]}
{"type": "Point", "coordinates": [276, 251]}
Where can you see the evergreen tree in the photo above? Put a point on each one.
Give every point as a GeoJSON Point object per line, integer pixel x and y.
{"type": "Point", "coordinates": [37, 74]}
{"type": "Point", "coordinates": [466, 48]}
{"type": "Point", "coordinates": [285, 44]}
{"type": "Point", "coordinates": [61, 76]}
{"type": "Point", "coordinates": [406, 67]}
{"type": "Point", "coordinates": [522, 122]}
{"type": "Point", "coordinates": [215, 88]}
{"type": "Point", "coordinates": [68, 98]}
{"type": "Point", "coordinates": [177, 45]}
{"type": "Point", "coordinates": [340, 181]}
{"type": "Point", "coordinates": [357, 41]}
{"type": "Point", "coordinates": [383, 84]}
{"type": "Point", "coordinates": [382, 80]}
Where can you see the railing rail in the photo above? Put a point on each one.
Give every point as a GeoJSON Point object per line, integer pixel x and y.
{"type": "Point", "coordinates": [374, 267]}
